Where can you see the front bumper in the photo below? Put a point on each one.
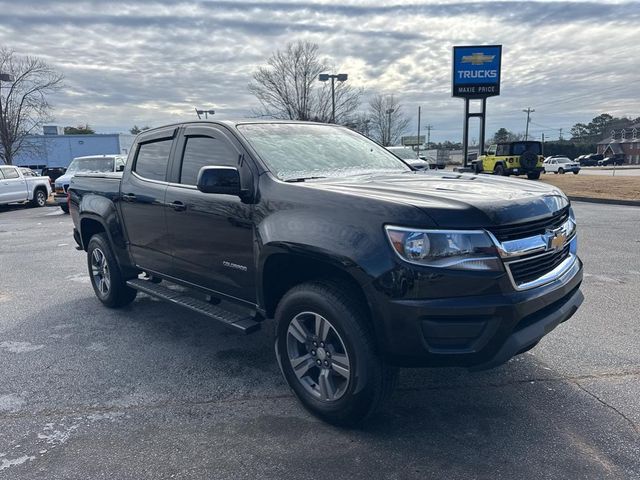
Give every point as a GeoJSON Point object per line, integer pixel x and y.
{"type": "Point", "coordinates": [60, 198]}
{"type": "Point", "coordinates": [477, 332]}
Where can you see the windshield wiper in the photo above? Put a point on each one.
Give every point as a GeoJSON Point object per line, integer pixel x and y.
{"type": "Point", "coordinates": [301, 179]}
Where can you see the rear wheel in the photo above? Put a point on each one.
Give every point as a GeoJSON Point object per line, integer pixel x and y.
{"type": "Point", "coordinates": [39, 198]}
{"type": "Point", "coordinates": [533, 175]}
{"type": "Point", "coordinates": [107, 281]}
{"type": "Point", "coordinates": [327, 353]}
{"type": "Point", "coordinates": [575, 172]}
{"type": "Point", "coordinates": [499, 170]}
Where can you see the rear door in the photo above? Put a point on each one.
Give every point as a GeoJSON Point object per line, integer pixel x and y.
{"type": "Point", "coordinates": [142, 200]}
{"type": "Point", "coordinates": [13, 188]}
{"type": "Point", "coordinates": [211, 235]}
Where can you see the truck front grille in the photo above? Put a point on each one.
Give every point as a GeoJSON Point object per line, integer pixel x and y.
{"type": "Point", "coordinates": [529, 229]}
{"type": "Point", "coordinates": [530, 269]}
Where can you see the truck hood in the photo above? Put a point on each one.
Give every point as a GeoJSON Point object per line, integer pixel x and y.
{"type": "Point", "coordinates": [455, 200]}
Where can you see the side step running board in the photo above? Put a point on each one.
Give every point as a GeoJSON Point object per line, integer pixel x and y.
{"type": "Point", "coordinates": [237, 322]}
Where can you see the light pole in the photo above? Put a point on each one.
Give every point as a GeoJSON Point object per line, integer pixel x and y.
{"type": "Point", "coordinates": [206, 113]}
{"type": "Point", "coordinates": [341, 77]}
{"type": "Point", "coordinates": [389, 111]}
{"type": "Point", "coordinates": [4, 77]}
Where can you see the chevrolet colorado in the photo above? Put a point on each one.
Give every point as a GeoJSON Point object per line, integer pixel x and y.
{"type": "Point", "coordinates": [365, 264]}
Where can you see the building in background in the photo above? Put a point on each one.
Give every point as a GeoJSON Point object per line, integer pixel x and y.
{"type": "Point", "coordinates": [54, 149]}
{"type": "Point", "coordinates": [623, 143]}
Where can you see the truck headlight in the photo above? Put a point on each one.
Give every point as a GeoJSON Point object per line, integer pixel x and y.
{"type": "Point", "coordinates": [455, 249]}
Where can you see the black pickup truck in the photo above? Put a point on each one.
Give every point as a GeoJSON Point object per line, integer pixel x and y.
{"type": "Point", "coordinates": [365, 264]}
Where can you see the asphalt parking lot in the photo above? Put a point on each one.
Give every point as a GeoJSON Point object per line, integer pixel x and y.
{"type": "Point", "coordinates": [152, 391]}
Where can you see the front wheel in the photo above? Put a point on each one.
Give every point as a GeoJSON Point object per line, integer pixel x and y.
{"type": "Point", "coordinates": [106, 278]}
{"type": "Point", "coordinates": [561, 171]}
{"type": "Point", "coordinates": [575, 172]}
{"type": "Point", "coordinates": [533, 175]}
{"type": "Point", "coordinates": [327, 354]}
{"type": "Point", "coordinates": [64, 207]}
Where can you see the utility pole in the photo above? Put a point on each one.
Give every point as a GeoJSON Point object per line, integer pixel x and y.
{"type": "Point", "coordinates": [528, 111]}
{"type": "Point", "coordinates": [418, 150]}
{"type": "Point", "coordinates": [542, 143]}
{"type": "Point", "coordinates": [429, 127]}
{"type": "Point", "coordinates": [560, 134]}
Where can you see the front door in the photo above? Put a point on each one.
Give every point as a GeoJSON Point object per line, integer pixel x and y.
{"type": "Point", "coordinates": [12, 187]}
{"type": "Point", "coordinates": [142, 202]}
{"type": "Point", "coordinates": [211, 235]}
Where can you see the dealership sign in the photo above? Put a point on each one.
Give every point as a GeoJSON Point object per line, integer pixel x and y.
{"type": "Point", "coordinates": [476, 71]}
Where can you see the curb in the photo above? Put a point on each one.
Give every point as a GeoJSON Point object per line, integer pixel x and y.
{"type": "Point", "coordinates": [606, 201]}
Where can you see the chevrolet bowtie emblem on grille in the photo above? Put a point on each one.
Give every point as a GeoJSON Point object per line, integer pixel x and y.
{"type": "Point", "coordinates": [477, 58]}
{"type": "Point", "coordinates": [556, 239]}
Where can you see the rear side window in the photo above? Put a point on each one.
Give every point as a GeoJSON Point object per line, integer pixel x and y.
{"type": "Point", "coordinates": [203, 151]}
{"type": "Point", "coordinates": [152, 159]}
{"type": "Point", "coordinates": [9, 172]}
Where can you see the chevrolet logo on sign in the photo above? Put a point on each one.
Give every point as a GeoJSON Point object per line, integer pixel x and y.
{"type": "Point", "coordinates": [478, 58]}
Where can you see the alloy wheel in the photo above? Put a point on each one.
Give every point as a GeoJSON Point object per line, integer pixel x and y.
{"type": "Point", "coordinates": [100, 272]}
{"type": "Point", "coordinates": [318, 356]}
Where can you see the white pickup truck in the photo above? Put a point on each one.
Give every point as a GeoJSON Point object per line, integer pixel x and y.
{"type": "Point", "coordinates": [16, 187]}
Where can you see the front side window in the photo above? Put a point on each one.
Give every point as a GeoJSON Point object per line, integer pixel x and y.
{"type": "Point", "coordinates": [152, 160]}
{"type": "Point", "coordinates": [203, 151]}
{"type": "Point", "coordinates": [9, 172]}
{"type": "Point", "coordinates": [295, 151]}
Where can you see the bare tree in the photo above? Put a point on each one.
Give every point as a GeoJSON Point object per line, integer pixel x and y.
{"type": "Point", "coordinates": [23, 103]}
{"type": "Point", "coordinates": [288, 87]}
{"type": "Point", "coordinates": [388, 122]}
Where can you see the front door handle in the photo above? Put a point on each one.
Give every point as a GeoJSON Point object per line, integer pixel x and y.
{"type": "Point", "coordinates": [178, 206]}
{"type": "Point", "coordinates": [128, 197]}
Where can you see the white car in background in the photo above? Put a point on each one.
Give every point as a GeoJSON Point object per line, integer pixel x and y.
{"type": "Point", "coordinates": [89, 164]}
{"type": "Point", "coordinates": [19, 185]}
{"type": "Point", "coordinates": [561, 165]}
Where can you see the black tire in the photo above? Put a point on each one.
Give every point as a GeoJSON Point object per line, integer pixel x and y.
{"type": "Point", "coordinates": [499, 170]}
{"type": "Point", "coordinates": [561, 171]}
{"type": "Point", "coordinates": [114, 293]}
{"type": "Point", "coordinates": [64, 207]}
{"type": "Point", "coordinates": [39, 198]}
{"type": "Point", "coordinates": [575, 172]}
{"type": "Point", "coordinates": [533, 175]}
{"type": "Point", "coordinates": [369, 381]}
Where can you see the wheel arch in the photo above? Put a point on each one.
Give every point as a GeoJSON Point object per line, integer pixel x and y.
{"type": "Point", "coordinates": [281, 269]}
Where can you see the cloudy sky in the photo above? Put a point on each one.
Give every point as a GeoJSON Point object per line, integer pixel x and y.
{"type": "Point", "coordinates": [151, 62]}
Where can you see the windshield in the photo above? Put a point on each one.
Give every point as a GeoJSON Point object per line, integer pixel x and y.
{"type": "Point", "coordinates": [518, 148]}
{"type": "Point", "coordinates": [296, 151]}
{"type": "Point", "coordinates": [403, 153]}
{"type": "Point", "coordinates": [98, 164]}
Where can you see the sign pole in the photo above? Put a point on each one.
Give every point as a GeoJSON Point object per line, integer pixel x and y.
{"type": "Point", "coordinates": [483, 121]}
{"type": "Point", "coordinates": [465, 133]}
{"type": "Point", "coordinates": [418, 150]}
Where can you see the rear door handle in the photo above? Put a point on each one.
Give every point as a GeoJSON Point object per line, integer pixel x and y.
{"type": "Point", "coordinates": [178, 206]}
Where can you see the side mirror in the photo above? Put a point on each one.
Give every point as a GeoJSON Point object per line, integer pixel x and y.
{"type": "Point", "coordinates": [120, 168]}
{"type": "Point", "coordinates": [221, 180]}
